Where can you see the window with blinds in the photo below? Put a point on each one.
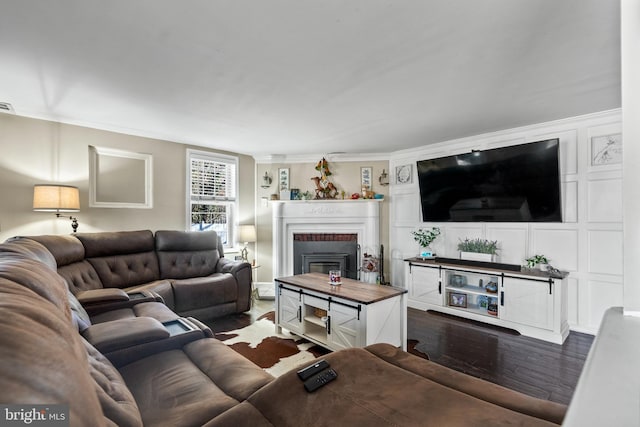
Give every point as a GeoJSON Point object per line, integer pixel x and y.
{"type": "Point", "coordinates": [212, 186]}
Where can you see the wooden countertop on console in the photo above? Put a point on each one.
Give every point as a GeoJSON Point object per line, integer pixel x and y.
{"type": "Point", "coordinates": [353, 290]}
{"type": "Point", "coordinates": [482, 266]}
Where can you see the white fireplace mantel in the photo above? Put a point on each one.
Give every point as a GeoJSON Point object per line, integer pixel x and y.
{"type": "Point", "coordinates": [361, 217]}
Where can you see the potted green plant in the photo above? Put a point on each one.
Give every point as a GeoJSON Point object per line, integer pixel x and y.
{"type": "Point", "coordinates": [425, 237]}
{"type": "Point", "coordinates": [478, 249]}
{"type": "Point", "coordinates": [538, 260]}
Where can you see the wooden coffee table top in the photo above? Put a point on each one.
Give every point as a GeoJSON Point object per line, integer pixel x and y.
{"type": "Point", "coordinates": [354, 290]}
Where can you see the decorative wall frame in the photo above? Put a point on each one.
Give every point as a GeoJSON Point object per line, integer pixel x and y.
{"type": "Point", "coordinates": [283, 179]}
{"type": "Point", "coordinates": [606, 149]}
{"type": "Point", "coordinates": [365, 177]}
{"type": "Point", "coordinates": [404, 174]}
{"type": "Point", "coordinates": [120, 179]}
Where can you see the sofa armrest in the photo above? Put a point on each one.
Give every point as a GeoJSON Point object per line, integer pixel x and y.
{"type": "Point", "coordinates": [123, 333]}
{"type": "Point", "coordinates": [96, 301]}
{"type": "Point", "coordinates": [241, 271]}
{"type": "Point", "coordinates": [102, 295]}
{"type": "Point", "coordinates": [180, 332]}
{"type": "Point", "coordinates": [226, 265]}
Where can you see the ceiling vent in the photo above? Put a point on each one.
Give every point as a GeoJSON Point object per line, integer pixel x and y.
{"type": "Point", "coordinates": [5, 107]}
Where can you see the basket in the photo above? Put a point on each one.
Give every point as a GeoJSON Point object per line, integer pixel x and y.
{"type": "Point", "coordinates": [318, 312]}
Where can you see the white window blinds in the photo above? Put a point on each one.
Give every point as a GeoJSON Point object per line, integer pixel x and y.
{"type": "Point", "coordinates": [212, 179]}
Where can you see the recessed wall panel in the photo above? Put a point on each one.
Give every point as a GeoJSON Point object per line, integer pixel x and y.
{"type": "Point", "coordinates": [603, 295]}
{"type": "Point", "coordinates": [512, 243]}
{"type": "Point", "coordinates": [605, 251]}
{"type": "Point", "coordinates": [559, 246]}
{"type": "Point", "coordinates": [604, 200]}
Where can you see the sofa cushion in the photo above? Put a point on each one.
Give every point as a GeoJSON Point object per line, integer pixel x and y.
{"type": "Point", "coordinates": [191, 386]}
{"type": "Point", "coordinates": [155, 310]}
{"type": "Point", "coordinates": [160, 287]}
{"type": "Point", "coordinates": [116, 243]}
{"type": "Point", "coordinates": [117, 402]}
{"type": "Point", "coordinates": [65, 249]}
{"type": "Point", "coordinates": [122, 258]}
{"type": "Point", "coordinates": [200, 292]}
{"type": "Point", "coordinates": [30, 249]}
{"type": "Point", "coordinates": [183, 254]}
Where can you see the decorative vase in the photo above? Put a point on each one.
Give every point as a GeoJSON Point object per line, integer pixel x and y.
{"type": "Point", "coordinates": [476, 256]}
{"type": "Point", "coordinates": [426, 253]}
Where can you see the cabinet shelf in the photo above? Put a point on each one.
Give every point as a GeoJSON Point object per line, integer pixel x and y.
{"type": "Point", "coordinates": [315, 320]}
{"type": "Point", "coordinates": [470, 289]}
{"type": "Point", "coordinates": [473, 308]}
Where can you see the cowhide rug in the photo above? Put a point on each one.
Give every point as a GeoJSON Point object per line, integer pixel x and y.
{"type": "Point", "coordinates": [277, 353]}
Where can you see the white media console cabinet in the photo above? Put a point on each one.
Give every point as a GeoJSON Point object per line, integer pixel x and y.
{"type": "Point", "coordinates": [531, 302]}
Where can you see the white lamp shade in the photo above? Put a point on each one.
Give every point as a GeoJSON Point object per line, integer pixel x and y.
{"type": "Point", "coordinates": [247, 233]}
{"type": "Point", "coordinates": [56, 198]}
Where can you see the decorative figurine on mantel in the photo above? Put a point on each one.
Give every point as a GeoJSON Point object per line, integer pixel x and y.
{"type": "Point", "coordinates": [324, 188]}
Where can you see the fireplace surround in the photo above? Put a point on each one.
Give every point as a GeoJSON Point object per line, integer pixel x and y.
{"type": "Point", "coordinates": [359, 218]}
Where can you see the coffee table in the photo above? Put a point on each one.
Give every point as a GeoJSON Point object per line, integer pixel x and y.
{"type": "Point", "coordinates": [354, 314]}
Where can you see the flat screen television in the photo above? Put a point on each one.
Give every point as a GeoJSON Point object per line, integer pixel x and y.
{"type": "Point", "coordinates": [520, 183]}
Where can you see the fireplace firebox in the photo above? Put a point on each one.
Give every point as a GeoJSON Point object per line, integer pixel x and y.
{"type": "Point", "coordinates": [321, 252]}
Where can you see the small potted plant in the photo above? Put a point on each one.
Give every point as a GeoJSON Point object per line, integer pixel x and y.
{"type": "Point", "coordinates": [425, 237]}
{"type": "Point", "coordinates": [538, 260]}
{"type": "Point", "coordinates": [478, 249]}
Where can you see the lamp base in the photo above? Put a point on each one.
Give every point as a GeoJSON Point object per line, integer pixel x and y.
{"type": "Point", "coordinates": [244, 253]}
{"type": "Point", "coordinates": [74, 222]}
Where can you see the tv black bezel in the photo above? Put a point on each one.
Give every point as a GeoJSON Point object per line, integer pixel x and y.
{"type": "Point", "coordinates": [560, 210]}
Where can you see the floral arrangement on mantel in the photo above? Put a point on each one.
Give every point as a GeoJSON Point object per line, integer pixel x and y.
{"type": "Point", "coordinates": [324, 188]}
{"type": "Point", "coordinates": [481, 246]}
{"type": "Point", "coordinates": [425, 237]}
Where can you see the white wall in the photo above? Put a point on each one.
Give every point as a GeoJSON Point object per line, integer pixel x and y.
{"type": "Point", "coordinates": [588, 243]}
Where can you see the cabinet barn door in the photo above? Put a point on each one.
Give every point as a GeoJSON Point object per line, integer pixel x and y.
{"type": "Point", "coordinates": [425, 285]}
{"type": "Point", "coordinates": [528, 302]}
{"type": "Point", "coordinates": [345, 327]}
{"type": "Point", "coordinates": [290, 316]}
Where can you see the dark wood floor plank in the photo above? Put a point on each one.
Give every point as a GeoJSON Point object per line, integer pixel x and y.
{"type": "Point", "coordinates": [534, 367]}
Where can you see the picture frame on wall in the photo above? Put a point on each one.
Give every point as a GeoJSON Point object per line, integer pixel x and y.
{"type": "Point", "coordinates": [283, 179]}
{"type": "Point", "coordinates": [404, 174]}
{"type": "Point", "coordinates": [365, 177]}
{"type": "Point", "coordinates": [606, 149]}
{"type": "Point", "coordinates": [457, 299]}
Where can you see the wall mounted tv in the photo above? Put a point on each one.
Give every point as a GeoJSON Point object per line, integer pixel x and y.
{"type": "Point", "coordinates": [520, 183]}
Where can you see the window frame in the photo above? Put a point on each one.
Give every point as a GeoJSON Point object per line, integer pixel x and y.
{"type": "Point", "coordinates": [232, 203]}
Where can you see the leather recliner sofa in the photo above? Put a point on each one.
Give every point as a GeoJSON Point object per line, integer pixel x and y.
{"type": "Point", "coordinates": [185, 270]}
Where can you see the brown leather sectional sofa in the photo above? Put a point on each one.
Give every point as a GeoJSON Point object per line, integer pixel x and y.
{"type": "Point", "coordinates": [143, 364]}
{"type": "Point", "coordinates": [187, 270]}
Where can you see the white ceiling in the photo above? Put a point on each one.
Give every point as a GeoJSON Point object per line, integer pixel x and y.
{"type": "Point", "coordinates": [296, 77]}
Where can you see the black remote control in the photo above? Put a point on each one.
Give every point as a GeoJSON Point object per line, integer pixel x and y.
{"type": "Point", "coordinates": [320, 379]}
{"type": "Point", "coordinates": [311, 370]}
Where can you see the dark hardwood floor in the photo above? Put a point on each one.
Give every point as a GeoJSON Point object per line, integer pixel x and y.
{"type": "Point", "coordinates": [502, 356]}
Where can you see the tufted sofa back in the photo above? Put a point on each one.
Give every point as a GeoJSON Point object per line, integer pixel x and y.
{"type": "Point", "coordinates": [185, 255]}
{"type": "Point", "coordinates": [121, 258]}
{"type": "Point", "coordinates": [70, 260]}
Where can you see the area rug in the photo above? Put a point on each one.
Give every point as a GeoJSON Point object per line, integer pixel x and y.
{"type": "Point", "coordinates": [277, 353]}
